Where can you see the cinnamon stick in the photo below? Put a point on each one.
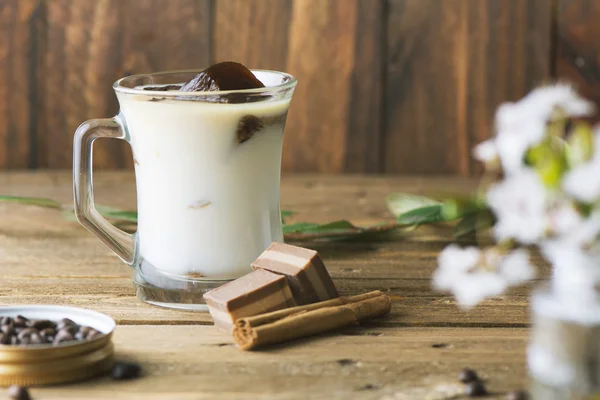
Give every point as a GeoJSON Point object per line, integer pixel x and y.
{"type": "Point", "coordinates": [284, 325]}
{"type": "Point", "coordinates": [273, 316]}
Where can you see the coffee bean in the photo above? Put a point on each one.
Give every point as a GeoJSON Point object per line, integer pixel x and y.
{"type": "Point", "coordinates": [125, 370]}
{"type": "Point", "coordinates": [18, 393]}
{"type": "Point", "coordinates": [468, 375]}
{"type": "Point", "coordinates": [26, 333]}
{"type": "Point", "coordinates": [67, 328]}
{"type": "Point", "coordinates": [85, 330]}
{"type": "Point", "coordinates": [42, 324]}
{"type": "Point", "coordinates": [93, 334]}
{"type": "Point", "coordinates": [517, 395]}
{"type": "Point", "coordinates": [7, 329]}
{"type": "Point", "coordinates": [20, 321]}
{"type": "Point", "coordinates": [36, 338]}
{"type": "Point", "coordinates": [4, 338]}
{"type": "Point", "coordinates": [47, 332]}
{"type": "Point", "coordinates": [63, 336]}
{"type": "Point", "coordinates": [22, 331]}
{"type": "Point", "coordinates": [475, 389]}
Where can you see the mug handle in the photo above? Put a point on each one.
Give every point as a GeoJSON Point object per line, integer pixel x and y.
{"type": "Point", "coordinates": [119, 241]}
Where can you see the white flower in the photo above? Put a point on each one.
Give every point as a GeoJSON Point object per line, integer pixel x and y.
{"type": "Point", "coordinates": [473, 275]}
{"type": "Point", "coordinates": [471, 290]}
{"type": "Point", "coordinates": [584, 237]}
{"type": "Point", "coordinates": [545, 100]}
{"type": "Point", "coordinates": [583, 181]}
{"type": "Point", "coordinates": [519, 203]}
{"type": "Point", "coordinates": [514, 138]}
{"type": "Point", "coordinates": [486, 151]}
{"type": "Point", "coordinates": [454, 261]}
{"type": "Point", "coordinates": [516, 268]}
{"type": "Point", "coordinates": [564, 218]}
{"type": "Point", "coordinates": [522, 124]}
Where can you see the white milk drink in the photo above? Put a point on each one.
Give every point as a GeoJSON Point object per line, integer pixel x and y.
{"type": "Point", "coordinates": [208, 201]}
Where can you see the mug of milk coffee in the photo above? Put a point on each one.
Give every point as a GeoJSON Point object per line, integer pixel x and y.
{"type": "Point", "coordinates": [207, 166]}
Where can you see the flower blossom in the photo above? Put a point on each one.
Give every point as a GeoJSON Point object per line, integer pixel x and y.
{"type": "Point", "coordinates": [519, 203]}
{"type": "Point", "coordinates": [521, 125]}
{"type": "Point", "coordinates": [582, 181]}
{"type": "Point", "coordinates": [473, 275]}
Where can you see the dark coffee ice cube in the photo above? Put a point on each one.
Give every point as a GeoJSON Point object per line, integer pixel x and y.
{"type": "Point", "coordinates": [165, 88]}
{"type": "Point", "coordinates": [247, 127]}
{"type": "Point", "coordinates": [226, 75]}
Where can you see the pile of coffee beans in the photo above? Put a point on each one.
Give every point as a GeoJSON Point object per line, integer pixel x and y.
{"type": "Point", "coordinates": [22, 331]}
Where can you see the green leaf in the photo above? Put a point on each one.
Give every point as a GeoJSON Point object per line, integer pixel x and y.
{"type": "Point", "coordinates": [334, 226]}
{"type": "Point", "coordinates": [33, 201]}
{"type": "Point", "coordinates": [420, 216]}
{"type": "Point", "coordinates": [298, 227]}
{"type": "Point", "coordinates": [285, 214]}
{"type": "Point", "coordinates": [455, 208]}
{"type": "Point", "coordinates": [474, 222]}
{"type": "Point", "coordinates": [402, 203]}
{"type": "Point", "coordinates": [129, 216]}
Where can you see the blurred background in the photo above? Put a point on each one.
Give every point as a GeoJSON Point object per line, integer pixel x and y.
{"type": "Point", "coordinates": [385, 86]}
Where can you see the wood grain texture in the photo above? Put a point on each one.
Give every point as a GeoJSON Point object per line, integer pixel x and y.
{"type": "Point", "coordinates": [449, 65]}
{"type": "Point", "coordinates": [253, 32]}
{"type": "Point", "coordinates": [72, 267]}
{"type": "Point", "coordinates": [202, 363]}
{"type": "Point", "coordinates": [92, 44]}
{"type": "Point", "coordinates": [19, 36]}
{"type": "Point", "coordinates": [335, 92]}
{"type": "Point", "coordinates": [46, 259]}
{"type": "Point", "coordinates": [577, 50]}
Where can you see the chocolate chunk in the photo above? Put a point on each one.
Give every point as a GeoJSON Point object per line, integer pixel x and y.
{"type": "Point", "coordinates": [18, 393]}
{"type": "Point", "coordinates": [307, 276]}
{"type": "Point", "coordinates": [226, 75]}
{"type": "Point", "coordinates": [468, 375]}
{"type": "Point", "coordinates": [125, 370]}
{"type": "Point", "coordinates": [256, 293]}
{"type": "Point", "coordinates": [475, 389]}
{"type": "Point", "coordinates": [247, 127]}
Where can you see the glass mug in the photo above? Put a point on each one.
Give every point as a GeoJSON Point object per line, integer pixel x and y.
{"type": "Point", "coordinates": [207, 167]}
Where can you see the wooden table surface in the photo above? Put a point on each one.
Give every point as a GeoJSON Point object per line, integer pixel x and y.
{"type": "Point", "coordinates": [414, 353]}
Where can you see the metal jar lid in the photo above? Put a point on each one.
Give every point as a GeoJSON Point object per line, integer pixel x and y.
{"type": "Point", "coordinates": [47, 364]}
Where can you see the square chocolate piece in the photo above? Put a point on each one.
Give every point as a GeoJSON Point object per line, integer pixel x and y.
{"type": "Point", "coordinates": [308, 278]}
{"type": "Point", "coordinates": [256, 293]}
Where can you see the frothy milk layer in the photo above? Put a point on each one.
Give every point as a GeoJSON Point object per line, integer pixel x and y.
{"type": "Point", "coordinates": [207, 205]}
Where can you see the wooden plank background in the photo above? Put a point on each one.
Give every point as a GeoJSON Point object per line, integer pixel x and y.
{"type": "Point", "coordinates": [394, 86]}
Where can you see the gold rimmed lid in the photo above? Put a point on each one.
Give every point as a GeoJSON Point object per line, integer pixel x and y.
{"type": "Point", "coordinates": [67, 362]}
